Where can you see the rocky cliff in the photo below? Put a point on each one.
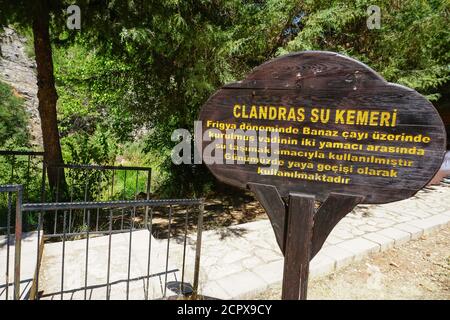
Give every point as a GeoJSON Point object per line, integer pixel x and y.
{"type": "Point", "coordinates": [19, 71]}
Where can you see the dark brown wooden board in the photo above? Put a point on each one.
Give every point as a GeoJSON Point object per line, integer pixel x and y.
{"type": "Point", "coordinates": [297, 254]}
{"type": "Point", "coordinates": [332, 81]}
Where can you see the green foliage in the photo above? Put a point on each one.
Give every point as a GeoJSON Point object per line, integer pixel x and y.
{"type": "Point", "coordinates": [411, 48]}
{"type": "Point", "coordinates": [151, 65]}
{"type": "Point", "coordinates": [14, 135]}
{"type": "Point", "coordinates": [180, 56]}
{"type": "Point", "coordinates": [13, 119]}
{"type": "Point", "coordinates": [138, 70]}
{"type": "Point", "coordinates": [91, 117]}
{"type": "Point", "coordinates": [151, 70]}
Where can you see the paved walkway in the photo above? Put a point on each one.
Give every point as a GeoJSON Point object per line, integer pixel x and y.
{"type": "Point", "coordinates": [28, 265]}
{"type": "Point", "coordinates": [237, 262]}
{"type": "Point", "coordinates": [241, 261]}
{"type": "Point", "coordinates": [74, 268]}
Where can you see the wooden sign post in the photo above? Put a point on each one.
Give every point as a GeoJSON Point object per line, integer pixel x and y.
{"type": "Point", "coordinates": [301, 230]}
{"type": "Point", "coordinates": [341, 135]}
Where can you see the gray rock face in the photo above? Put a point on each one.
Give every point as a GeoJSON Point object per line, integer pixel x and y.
{"type": "Point", "coordinates": [19, 71]}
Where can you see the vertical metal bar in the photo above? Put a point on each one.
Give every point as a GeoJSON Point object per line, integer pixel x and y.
{"type": "Point", "coordinates": [129, 251]}
{"type": "Point", "coordinates": [63, 254]}
{"type": "Point", "coordinates": [38, 254]}
{"type": "Point", "coordinates": [149, 182]}
{"type": "Point", "coordinates": [147, 197]}
{"type": "Point", "coordinates": [108, 290]}
{"type": "Point", "coordinates": [112, 185]}
{"type": "Point", "coordinates": [149, 248]}
{"type": "Point", "coordinates": [18, 244]}
{"type": "Point", "coordinates": [54, 219]}
{"type": "Point", "coordinates": [149, 179]}
{"type": "Point", "coordinates": [85, 199]}
{"type": "Point", "coordinates": [40, 226]}
{"type": "Point", "coordinates": [87, 253]}
{"type": "Point", "coordinates": [12, 169]}
{"type": "Point", "coordinates": [137, 185]}
{"type": "Point", "coordinates": [96, 223]}
{"type": "Point", "coordinates": [8, 235]}
{"type": "Point", "coordinates": [99, 190]}
{"type": "Point", "coordinates": [184, 250]}
{"type": "Point", "coordinates": [123, 198]}
{"type": "Point", "coordinates": [167, 252]}
{"type": "Point", "coordinates": [56, 197]}
{"type": "Point", "coordinates": [124, 186]}
{"type": "Point", "coordinates": [26, 196]}
{"type": "Point", "coordinates": [44, 174]}
{"type": "Point", "coordinates": [198, 249]}
{"type": "Point", "coordinates": [58, 182]}
{"type": "Point", "coordinates": [149, 236]}
{"type": "Point", "coordinates": [70, 210]}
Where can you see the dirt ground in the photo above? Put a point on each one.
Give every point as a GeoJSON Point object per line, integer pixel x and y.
{"type": "Point", "coordinates": [419, 269]}
{"type": "Point", "coordinates": [221, 210]}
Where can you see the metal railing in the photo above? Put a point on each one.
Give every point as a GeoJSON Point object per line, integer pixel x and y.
{"type": "Point", "coordinates": [10, 191]}
{"type": "Point", "coordinates": [80, 182]}
{"type": "Point", "coordinates": [84, 183]}
{"type": "Point", "coordinates": [98, 183]}
{"type": "Point", "coordinates": [74, 182]}
{"type": "Point", "coordinates": [92, 203]}
{"type": "Point", "coordinates": [113, 218]}
{"type": "Point", "coordinates": [109, 210]}
{"type": "Point", "coordinates": [23, 168]}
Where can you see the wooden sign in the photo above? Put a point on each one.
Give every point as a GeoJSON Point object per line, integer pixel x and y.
{"type": "Point", "coordinates": [341, 126]}
{"type": "Point", "coordinates": [339, 133]}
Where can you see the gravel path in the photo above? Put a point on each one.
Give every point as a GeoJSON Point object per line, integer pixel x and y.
{"type": "Point", "coordinates": [419, 269]}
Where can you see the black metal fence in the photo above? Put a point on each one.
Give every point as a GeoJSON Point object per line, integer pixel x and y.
{"type": "Point", "coordinates": [93, 207]}
{"type": "Point", "coordinates": [98, 183]}
{"type": "Point", "coordinates": [23, 168]}
{"type": "Point", "coordinates": [75, 183]}
{"type": "Point", "coordinates": [87, 183]}
{"type": "Point", "coordinates": [139, 215]}
{"type": "Point", "coordinates": [12, 239]}
{"type": "Point", "coordinates": [85, 244]}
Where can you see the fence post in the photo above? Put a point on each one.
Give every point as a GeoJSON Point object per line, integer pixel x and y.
{"type": "Point", "coordinates": [18, 243]}
{"type": "Point", "coordinates": [198, 249]}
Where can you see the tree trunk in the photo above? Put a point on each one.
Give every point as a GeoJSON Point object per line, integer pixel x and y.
{"type": "Point", "coordinates": [47, 91]}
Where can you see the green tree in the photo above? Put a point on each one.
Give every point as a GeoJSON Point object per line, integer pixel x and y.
{"type": "Point", "coordinates": [37, 15]}
{"type": "Point", "coordinates": [153, 64]}
{"type": "Point", "coordinates": [412, 47]}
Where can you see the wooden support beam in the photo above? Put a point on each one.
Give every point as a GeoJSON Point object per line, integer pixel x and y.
{"type": "Point", "coordinates": [275, 208]}
{"type": "Point", "coordinates": [300, 230]}
{"type": "Point", "coordinates": [332, 210]}
{"type": "Point", "coordinates": [298, 246]}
